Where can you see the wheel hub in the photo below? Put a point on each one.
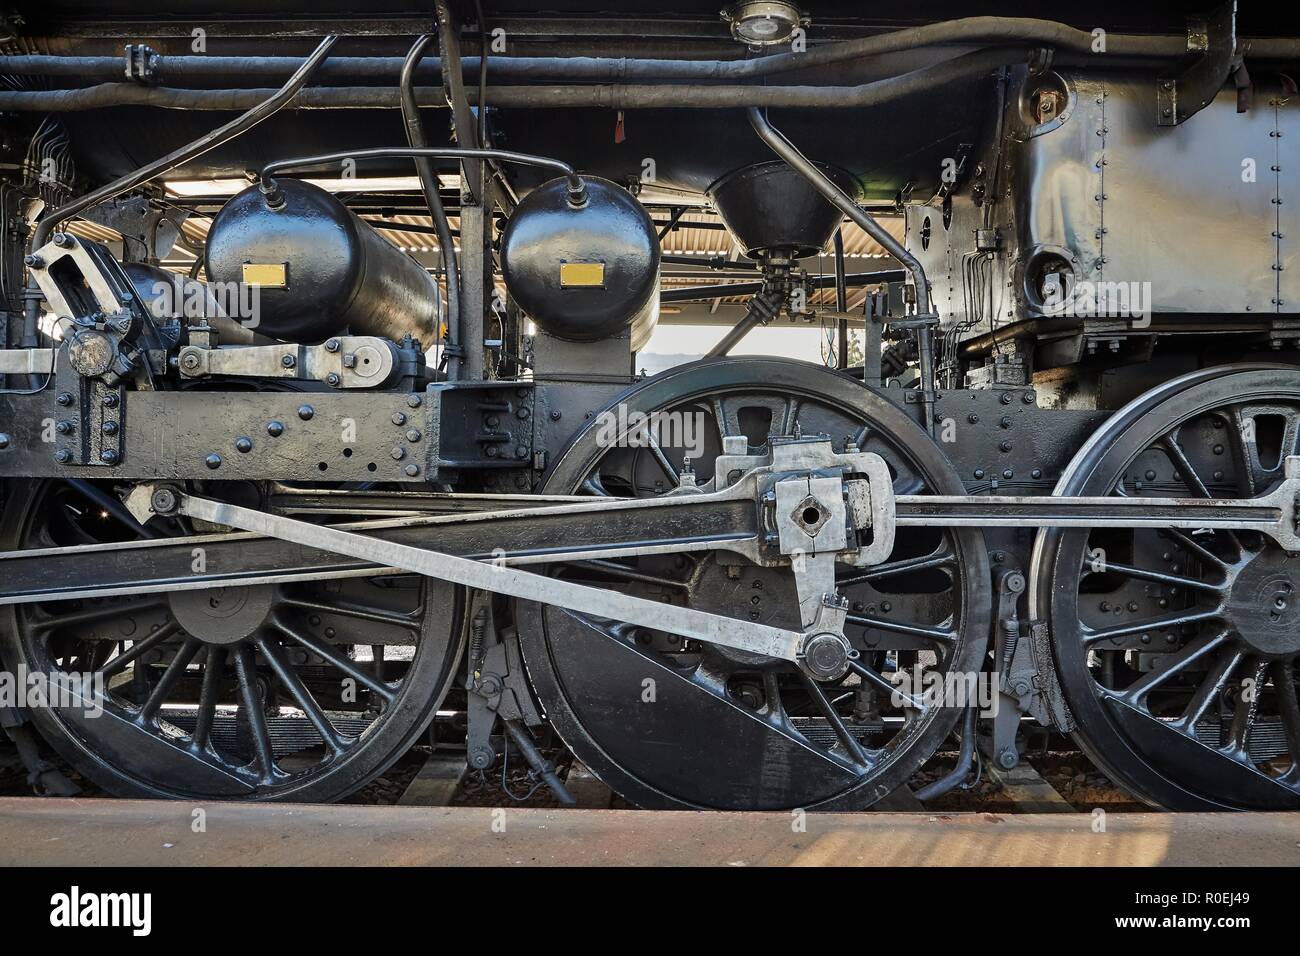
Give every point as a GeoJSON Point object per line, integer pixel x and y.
{"type": "Point", "coordinates": [223, 616]}
{"type": "Point", "coordinates": [1264, 604]}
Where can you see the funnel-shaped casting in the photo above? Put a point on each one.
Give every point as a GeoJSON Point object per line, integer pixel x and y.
{"type": "Point", "coordinates": [770, 207]}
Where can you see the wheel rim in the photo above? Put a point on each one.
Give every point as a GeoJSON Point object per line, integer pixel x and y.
{"type": "Point", "coordinates": [303, 691]}
{"type": "Point", "coordinates": [739, 731]}
{"type": "Point", "coordinates": [1176, 650]}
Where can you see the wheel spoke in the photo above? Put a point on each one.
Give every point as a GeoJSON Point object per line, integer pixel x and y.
{"type": "Point", "coordinates": [1169, 443]}
{"type": "Point", "coordinates": [289, 678]}
{"type": "Point", "coordinates": [214, 664]}
{"type": "Point", "coordinates": [1245, 713]}
{"type": "Point", "coordinates": [942, 559]}
{"type": "Point", "coordinates": [1154, 624]}
{"type": "Point", "coordinates": [376, 616]}
{"type": "Point", "coordinates": [1284, 686]}
{"type": "Point", "coordinates": [1194, 546]}
{"type": "Point", "coordinates": [846, 738]}
{"type": "Point", "coordinates": [1208, 691]}
{"type": "Point", "coordinates": [138, 648]}
{"type": "Point", "coordinates": [1174, 580]}
{"type": "Point", "coordinates": [91, 615]}
{"type": "Point", "coordinates": [175, 670]}
{"type": "Point", "coordinates": [348, 667]}
{"type": "Point", "coordinates": [246, 675]}
{"type": "Point", "coordinates": [940, 636]}
{"type": "Point", "coordinates": [1178, 661]}
{"type": "Point", "coordinates": [869, 675]}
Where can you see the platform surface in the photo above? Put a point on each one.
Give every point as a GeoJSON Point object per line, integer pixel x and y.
{"type": "Point", "coordinates": [82, 832]}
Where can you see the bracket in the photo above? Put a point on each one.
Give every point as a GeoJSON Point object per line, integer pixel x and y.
{"type": "Point", "coordinates": [1211, 50]}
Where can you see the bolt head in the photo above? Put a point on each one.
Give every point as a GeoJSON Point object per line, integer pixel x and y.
{"type": "Point", "coordinates": [333, 379]}
{"type": "Point", "coordinates": [162, 501]}
{"type": "Point", "coordinates": [108, 456]}
{"type": "Point", "coordinates": [63, 456]}
{"type": "Point", "coordinates": [275, 429]}
{"type": "Point", "coordinates": [306, 412]}
{"type": "Point", "coordinates": [213, 461]}
{"type": "Point", "coordinates": [332, 345]}
{"type": "Point", "coordinates": [244, 445]}
{"type": "Point", "coordinates": [414, 401]}
{"type": "Point", "coordinates": [398, 453]}
{"type": "Point", "coordinates": [64, 399]}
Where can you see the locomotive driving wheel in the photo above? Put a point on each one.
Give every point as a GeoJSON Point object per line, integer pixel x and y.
{"type": "Point", "coordinates": [301, 690]}
{"type": "Point", "coordinates": [671, 723]}
{"type": "Point", "coordinates": [1177, 649]}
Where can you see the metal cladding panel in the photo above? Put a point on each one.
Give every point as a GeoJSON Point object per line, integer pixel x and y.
{"type": "Point", "coordinates": [1137, 203]}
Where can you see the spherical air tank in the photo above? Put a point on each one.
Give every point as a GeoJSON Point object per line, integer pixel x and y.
{"type": "Point", "coordinates": [319, 269]}
{"type": "Point", "coordinates": [588, 272]}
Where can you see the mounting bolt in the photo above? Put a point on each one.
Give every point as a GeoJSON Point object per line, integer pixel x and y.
{"type": "Point", "coordinates": [4, 440]}
{"type": "Point", "coordinates": [108, 456]}
{"type": "Point", "coordinates": [63, 456]}
{"type": "Point", "coordinates": [34, 262]}
{"type": "Point", "coordinates": [413, 401]}
{"type": "Point", "coordinates": [306, 412]}
{"type": "Point", "coordinates": [63, 427]}
{"type": "Point", "coordinates": [333, 379]}
{"type": "Point", "coordinates": [109, 428]}
{"type": "Point", "coordinates": [399, 418]}
{"type": "Point", "coordinates": [1005, 398]}
{"type": "Point", "coordinates": [62, 240]}
{"type": "Point", "coordinates": [275, 429]}
{"type": "Point", "coordinates": [244, 444]}
{"type": "Point", "coordinates": [110, 400]}
{"type": "Point", "coordinates": [398, 453]}
{"type": "Point", "coordinates": [213, 461]}
{"type": "Point", "coordinates": [1005, 445]}
{"type": "Point", "coordinates": [163, 501]}
{"type": "Point", "coordinates": [555, 416]}
{"type": "Point", "coordinates": [288, 361]}
{"type": "Point", "coordinates": [1008, 758]}
{"type": "Point", "coordinates": [413, 434]}
{"type": "Point", "coordinates": [64, 399]}
{"type": "Point", "coordinates": [332, 345]}
{"type": "Point", "coordinates": [411, 470]}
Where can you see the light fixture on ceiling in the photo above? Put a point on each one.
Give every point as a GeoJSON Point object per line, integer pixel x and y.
{"type": "Point", "coordinates": [760, 23]}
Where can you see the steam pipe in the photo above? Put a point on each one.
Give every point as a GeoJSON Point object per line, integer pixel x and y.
{"type": "Point", "coordinates": [947, 783]}
{"type": "Point", "coordinates": [429, 186]}
{"type": "Point", "coordinates": [842, 201]}
{"type": "Point", "coordinates": [623, 96]}
{"type": "Point", "coordinates": [265, 108]}
{"type": "Point", "coordinates": [967, 30]}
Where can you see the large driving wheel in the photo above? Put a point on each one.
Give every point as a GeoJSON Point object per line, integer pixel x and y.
{"type": "Point", "coordinates": [1176, 650]}
{"type": "Point", "coordinates": [300, 691]}
{"type": "Point", "coordinates": [672, 723]}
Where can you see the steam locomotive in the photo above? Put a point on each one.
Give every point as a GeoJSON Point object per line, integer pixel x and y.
{"type": "Point", "coordinates": [322, 420]}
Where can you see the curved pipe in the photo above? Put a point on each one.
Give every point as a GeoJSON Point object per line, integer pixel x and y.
{"type": "Point", "coordinates": [968, 30]}
{"type": "Point", "coordinates": [577, 188]}
{"type": "Point", "coordinates": [842, 201]}
{"type": "Point", "coordinates": [429, 185]}
{"type": "Point", "coordinates": [610, 96]}
{"type": "Point", "coordinates": [454, 87]}
{"type": "Point", "coordinates": [950, 781]}
{"type": "Point", "coordinates": [208, 141]}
